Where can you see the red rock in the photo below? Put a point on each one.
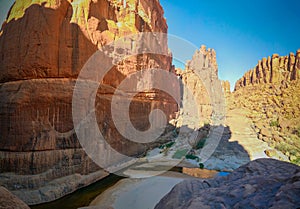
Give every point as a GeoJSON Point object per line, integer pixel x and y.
{"type": "Point", "coordinates": [43, 47]}
{"type": "Point", "coordinates": [273, 70]}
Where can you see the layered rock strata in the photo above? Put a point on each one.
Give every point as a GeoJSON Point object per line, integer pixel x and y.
{"type": "Point", "coordinates": [43, 46]}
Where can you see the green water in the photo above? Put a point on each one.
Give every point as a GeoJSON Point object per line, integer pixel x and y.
{"type": "Point", "coordinates": [82, 197]}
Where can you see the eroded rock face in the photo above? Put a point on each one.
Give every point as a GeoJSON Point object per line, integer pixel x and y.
{"type": "Point", "coordinates": [275, 70]}
{"type": "Point", "coordinates": [10, 201]}
{"type": "Point", "coordinates": [202, 88]}
{"type": "Point", "coordinates": [48, 39]}
{"type": "Point", "coordinates": [226, 87]}
{"type": "Point", "coordinates": [263, 183]}
{"type": "Point", "coordinates": [43, 47]}
{"type": "Point", "coordinates": [271, 95]}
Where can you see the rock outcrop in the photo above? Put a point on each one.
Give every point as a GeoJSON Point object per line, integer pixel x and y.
{"type": "Point", "coordinates": [10, 201]}
{"type": "Point", "coordinates": [203, 103]}
{"type": "Point", "coordinates": [202, 88]}
{"type": "Point", "coordinates": [275, 113]}
{"type": "Point", "coordinates": [51, 39]}
{"type": "Point", "coordinates": [263, 183]}
{"type": "Point", "coordinates": [270, 94]}
{"type": "Point", "coordinates": [226, 87]}
{"type": "Point", "coordinates": [275, 70]}
{"type": "Point", "coordinates": [43, 47]}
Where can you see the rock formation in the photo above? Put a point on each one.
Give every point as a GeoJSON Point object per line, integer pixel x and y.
{"type": "Point", "coordinates": [10, 201]}
{"type": "Point", "coordinates": [202, 88]}
{"type": "Point", "coordinates": [226, 87]}
{"type": "Point", "coordinates": [264, 183]}
{"type": "Point", "coordinates": [275, 69]}
{"type": "Point", "coordinates": [43, 47]}
{"type": "Point", "coordinates": [54, 39]}
{"type": "Point", "coordinates": [270, 94]}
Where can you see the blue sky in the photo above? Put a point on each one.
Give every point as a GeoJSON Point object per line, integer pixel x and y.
{"type": "Point", "coordinates": [241, 32]}
{"type": "Point", "coordinates": [4, 8]}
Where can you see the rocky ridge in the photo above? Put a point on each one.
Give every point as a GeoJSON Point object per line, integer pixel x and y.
{"type": "Point", "coordinates": [275, 70]}
{"type": "Point", "coordinates": [262, 120]}
{"type": "Point", "coordinates": [43, 46]}
{"type": "Point", "coordinates": [273, 104]}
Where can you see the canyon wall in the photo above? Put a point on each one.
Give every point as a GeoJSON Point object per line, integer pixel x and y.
{"type": "Point", "coordinates": [43, 46]}
{"type": "Point", "coordinates": [54, 39]}
{"type": "Point", "coordinates": [270, 94]}
{"type": "Point", "coordinates": [275, 69]}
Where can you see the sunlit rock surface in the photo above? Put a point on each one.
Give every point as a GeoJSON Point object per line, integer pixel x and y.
{"type": "Point", "coordinates": [43, 47]}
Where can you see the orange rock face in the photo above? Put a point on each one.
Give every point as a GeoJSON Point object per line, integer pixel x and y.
{"type": "Point", "coordinates": [43, 47]}
{"type": "Point", "coordinates": [226, 86]}
{"type": "Point", "coordinates": [273, 69]}
{"type": "Point", "coordinates": [54, 39]}
{"type": "Point", "coordinates": [270, 95]}
{"type": "Point", "coordinates": [202, 88]}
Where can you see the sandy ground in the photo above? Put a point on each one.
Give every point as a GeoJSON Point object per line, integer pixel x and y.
{"type": "Point", "coordinates": [138, 193]}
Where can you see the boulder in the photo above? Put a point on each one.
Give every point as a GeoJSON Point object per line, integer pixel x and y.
{"type": "Point", "coordinates": [10, 201]}
{"type": "Point", "coordinates": [266, 132]}
{"type": "Point", "coordinates": [263, 183]}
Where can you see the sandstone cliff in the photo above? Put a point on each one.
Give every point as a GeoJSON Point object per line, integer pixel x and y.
{"type": "Point", "coordinates": [270, 94]}
{"type": "Point", "coordinates": [46, 39]}
{"type": "Point", "coordinates": [43, 46]}
{"type": "Point", "coordinates": [275, 69]}
{"type": "Point", "coordinates": [203, 97]}
{"type": "Point", "coordinates": [226, 87]}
